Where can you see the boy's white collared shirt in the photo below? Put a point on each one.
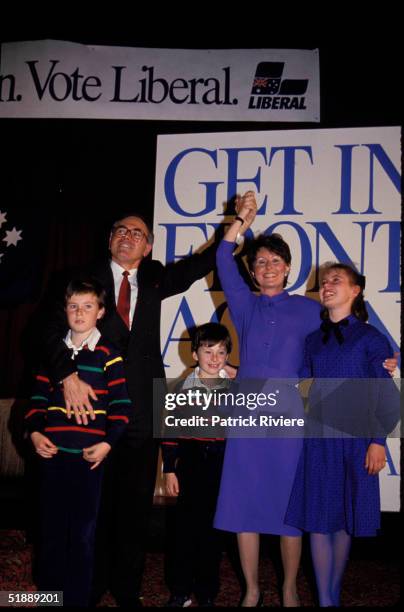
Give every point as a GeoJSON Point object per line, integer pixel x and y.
{"type": "Point", "coordinates": [132, 278]}
{"type": "Point", "coordinates": [90, 341]}
{"type": "Point", "coordinates": [194, 379]}
{"type": "Point", "coordinates": [221, 374]}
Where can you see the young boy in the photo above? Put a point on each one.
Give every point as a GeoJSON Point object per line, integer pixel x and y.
{"type": "Point", "coordinates": [71, 454]}
{"type": "Point", "coordinates": [192, 469]}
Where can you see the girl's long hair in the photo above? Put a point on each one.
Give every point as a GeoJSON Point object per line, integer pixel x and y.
{"type": "Point", "coordinates": [358, 308]}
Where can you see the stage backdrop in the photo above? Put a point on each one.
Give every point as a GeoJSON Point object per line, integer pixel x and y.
{"type": "Point", "coordinates": [332, 194]}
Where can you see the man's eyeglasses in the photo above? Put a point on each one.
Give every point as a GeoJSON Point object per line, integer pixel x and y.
{"type": "Point", "coordinates": [122, 231]}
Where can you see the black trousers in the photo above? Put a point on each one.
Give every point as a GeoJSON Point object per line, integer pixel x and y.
{"type": "Point", "coordinates": [69, 501]}
{"type": "Point", "coordinates": [123, 524]}
{"type": "Point", "coordinates": [197, 547]}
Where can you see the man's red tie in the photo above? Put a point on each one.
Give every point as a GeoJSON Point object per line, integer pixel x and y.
{"type": "Point", "coordinates": [123, 306]}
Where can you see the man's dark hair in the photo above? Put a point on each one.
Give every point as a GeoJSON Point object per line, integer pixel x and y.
{"type": "Point", "coordinates": [80, 286]}
{"type": "Point", "coordinates": [210, 334]}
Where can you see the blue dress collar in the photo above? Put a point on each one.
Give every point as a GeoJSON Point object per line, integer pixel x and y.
{"type": "Point", "coordinates": [274, 299]}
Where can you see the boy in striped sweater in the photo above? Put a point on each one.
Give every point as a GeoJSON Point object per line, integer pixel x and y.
{"type": "Point", "coordinates": [71, 455]}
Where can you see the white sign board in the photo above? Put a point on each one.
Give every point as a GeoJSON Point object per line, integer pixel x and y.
{"type": "Point", "coordinates": [332, 194]}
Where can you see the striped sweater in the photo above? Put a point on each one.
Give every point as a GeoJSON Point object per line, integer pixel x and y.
{"type": "Point", "coordinates": [103, 370]}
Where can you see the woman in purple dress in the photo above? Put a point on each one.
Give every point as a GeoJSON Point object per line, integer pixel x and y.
{"type": "Point", "coordinates": [336, 491]}
{"type": "Point", "coordinates": [258, 473]}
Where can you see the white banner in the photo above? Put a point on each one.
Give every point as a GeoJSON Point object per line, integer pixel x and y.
{"type": "Point", "coordinates": [55, 79]}
{"type": "Point", "coordinates": [332, 194]}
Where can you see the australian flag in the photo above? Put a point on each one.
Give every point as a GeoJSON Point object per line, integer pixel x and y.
{"type": "Point", "coordinates": [267, 78]}
{"type": "Point", "coordinates": [268, 81]}
{"type": "Point", "coordinates": [21, 255]}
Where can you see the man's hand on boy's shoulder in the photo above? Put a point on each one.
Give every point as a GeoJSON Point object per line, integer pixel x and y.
{"type": "Point", "coordinates": [77, 394]}
{"type": "Point", "coordinates": [96, 453]}
{"type": "Point", "coordinates": [43, 446]}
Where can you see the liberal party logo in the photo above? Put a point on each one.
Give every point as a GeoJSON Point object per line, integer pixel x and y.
{"type": "Point", "coordinates": [270, 91]}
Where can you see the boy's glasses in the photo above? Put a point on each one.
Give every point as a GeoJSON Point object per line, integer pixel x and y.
{"type": "Point", "coordinates": [122, 231]}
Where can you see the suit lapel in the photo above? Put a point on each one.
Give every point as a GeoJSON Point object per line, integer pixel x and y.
{"type": "Point", "coordinates": [112, 319]}
{"type": "Point", "coordinates": [145, 296]}
{"type": "Point", "coordinates": [105, 276]}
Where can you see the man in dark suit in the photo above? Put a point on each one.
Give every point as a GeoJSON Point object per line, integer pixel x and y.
{"type": "Point", "coordinates": [132, 323]}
